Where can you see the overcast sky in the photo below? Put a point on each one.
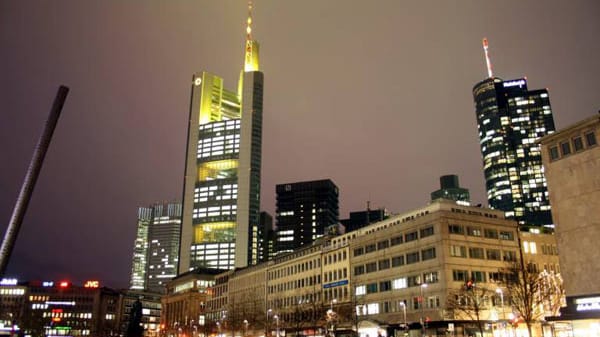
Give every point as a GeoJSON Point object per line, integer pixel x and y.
{"type": "Point", "coordinates": [375, 95]}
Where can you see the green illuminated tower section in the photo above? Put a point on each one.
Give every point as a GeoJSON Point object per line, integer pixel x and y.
{"type": "Point", "coordinates": [221, 197]}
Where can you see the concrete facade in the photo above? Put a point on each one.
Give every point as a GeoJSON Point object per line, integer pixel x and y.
{"type": "Point", "coordinates": [574, 186]}
{"type": "Point", "coordinates": [366, 280]}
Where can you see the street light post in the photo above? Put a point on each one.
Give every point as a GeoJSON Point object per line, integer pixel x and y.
{"type": "Point", "coordinates": [331, 314]}
{"type": "Point", "coordinates": [245, 327]}
{"type": "Point", "coordinates": [423, 286]}
{"type": "Point", "coordinates": [499, 291]}
{"type": "Point", "coordinates": [267, 323]}
{"type": "Point", "coordinates": [277, 325]}
{"type": "Point", "coordinates": [404, 311]}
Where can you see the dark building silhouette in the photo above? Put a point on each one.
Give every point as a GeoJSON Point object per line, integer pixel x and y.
{"type": "Point", "coordinates": [450, 189]}
{"type": "Point", "coordinates": [266, 235]}
{"type": "Point", "coordinates": [304, 211]}
{"type": "Point", "coordinates": [360, 219]}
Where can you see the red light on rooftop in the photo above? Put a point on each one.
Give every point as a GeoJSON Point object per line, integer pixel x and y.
{"type": "Point", "coordinates": [64, 284]}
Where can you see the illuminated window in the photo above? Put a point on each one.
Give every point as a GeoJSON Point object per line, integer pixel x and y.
{"type": "Point", "coordinates": [361, 290]}
{"type": "Point", "coordinates": [458, 251]}
{"type": "Point", "coordinates": [399, 283]}
{"type": "Point", "coordinates": [372, 308]}
{"type": "Point", "coordinates": [474, 231]}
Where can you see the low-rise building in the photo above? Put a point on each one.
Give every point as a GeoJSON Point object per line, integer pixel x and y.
{"type": "Point", "coordinates": [184, 306]}
{"type": "Point", "coordinates": [398, 274]}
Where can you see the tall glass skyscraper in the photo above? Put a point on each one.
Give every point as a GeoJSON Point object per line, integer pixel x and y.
{"type": "Point", "coordinates": [156, 247]}
{"type": "Point", "coordinates": [221, 196]}
{"type": "Point", "coordinates": [510, 119]}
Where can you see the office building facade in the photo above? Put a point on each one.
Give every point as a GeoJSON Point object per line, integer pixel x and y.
{"type": "Point", "coordinates": [156, 247]}
{"type": "Point", "coordinates": [304, 212]}
{"type": "Point", "coordinates": [384, 278]}
{"type": "Point", "coordinates": [221, 196]}
{"type": "Point", "coordinates": [510, 119]}
{"type": "Point", "coordinates": [572, 162]}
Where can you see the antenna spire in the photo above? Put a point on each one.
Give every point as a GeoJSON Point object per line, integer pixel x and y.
{"type": "Point", "coordinates": [251, 56]}
{"type": "Point", "coordinates": [487, 58]}
{"type": "Point", "coordinates": [249, 22]}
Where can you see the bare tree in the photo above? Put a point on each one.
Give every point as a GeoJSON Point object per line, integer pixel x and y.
{"type": "Point", "coordinates": [470, 302]}
{"type": "Point", "coordinates": [533, 294]}
{"type": "Point", "coordinates": [245, 311]}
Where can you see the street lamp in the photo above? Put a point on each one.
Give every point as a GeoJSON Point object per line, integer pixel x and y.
{"type": "Point", "coordinates": [245, 327]}
{"type": "Point", "coordinates": [267, 322]}
{"type": "Point", "coordinates": [331, 313]}
{"type": "Point", "coordinates": [276, 318]}
{"type": "Point", "coordinates": [499, 291]}
{"type": "Point", "coordinates": [423, 286]}
{"type": "Point", "coordinates": [404, 311]}
{"type": "Point", "coordinates": [219, 328]}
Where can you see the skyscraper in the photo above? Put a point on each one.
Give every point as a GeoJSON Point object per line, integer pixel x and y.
{"type": "Point", "coordinates": [450, 189]}
{"type": "Point", "coordinates": [221, 196]}
{"type": "Point", "coordinates": [156, 247]}
{"type": "Point", "coordinates": [304, 211]}
{"type": "Point", "coordinates": [510, 119]}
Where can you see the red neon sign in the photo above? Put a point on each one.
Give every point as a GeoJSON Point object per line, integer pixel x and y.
{"type": "Point", "coordinates": [64, 284]}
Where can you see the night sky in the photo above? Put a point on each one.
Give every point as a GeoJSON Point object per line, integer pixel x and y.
{"type": "Point", "coordinates": [375, 95]}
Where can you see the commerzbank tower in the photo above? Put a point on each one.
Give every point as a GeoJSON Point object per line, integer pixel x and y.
{"type": "Point", "coordinates": [221, 196]}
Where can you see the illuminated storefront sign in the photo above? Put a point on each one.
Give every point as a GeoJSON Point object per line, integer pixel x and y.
{"type": "Point", "coordinates": [71, 303]}
{"type": "Point", "coordinates": [8, 282]}
{"type": "Point", "coordinates": [588, 303]}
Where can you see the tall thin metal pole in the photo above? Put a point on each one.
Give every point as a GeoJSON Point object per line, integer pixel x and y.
{"type": "Point", "coordinates": [35, 166]}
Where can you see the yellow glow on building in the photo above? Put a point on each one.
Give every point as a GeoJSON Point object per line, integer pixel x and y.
{"type": "Point", "coordinates": [216, 103]}
{"type": "Point", "coordinates": [251, 59]}
{"type": "Point", "coordinates": [211, 232]}
{"type": "Point", "coordinates": [216, 169]}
